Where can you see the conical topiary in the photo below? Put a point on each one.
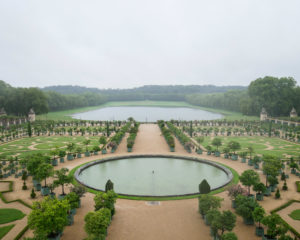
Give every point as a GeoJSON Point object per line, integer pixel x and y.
{"type": "Point", "coordinates": [109, 185]}
{"type": "Point", "coordinates": [204, 187]}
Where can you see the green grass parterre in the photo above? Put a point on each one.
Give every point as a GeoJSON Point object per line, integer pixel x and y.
{"type": "Point", "coordinates": [4, 230]}
{"type": "Point", "coordinates": [9, 215]}
{"type": "Point", "coordinates": [261, 145]}
{"type": "Point", "coordinates": [43, 144]}
{"type": "Point", "coordinates": [295, 214]}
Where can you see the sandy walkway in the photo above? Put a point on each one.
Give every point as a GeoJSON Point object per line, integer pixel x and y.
{"type": "Point", "coordinates": [149, 140]}
{"type": "Point", "coordinates": [136, 220]}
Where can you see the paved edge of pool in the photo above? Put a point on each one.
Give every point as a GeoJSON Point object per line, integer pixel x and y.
{"type": "Point", "coordinates": [195, 159]}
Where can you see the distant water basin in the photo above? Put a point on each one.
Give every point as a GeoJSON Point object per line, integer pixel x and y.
{"type": "Point", "coordinates": [147, 114]}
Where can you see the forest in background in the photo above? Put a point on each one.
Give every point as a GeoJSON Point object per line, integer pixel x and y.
{"type": "Point", "coordinates": [277, 95]}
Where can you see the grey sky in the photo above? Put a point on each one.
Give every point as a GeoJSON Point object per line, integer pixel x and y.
{"type": "Point", "coordinates": [124, 44]}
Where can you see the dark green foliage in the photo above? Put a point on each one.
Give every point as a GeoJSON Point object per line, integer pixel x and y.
{"type": "Point", "coordinates": [208, 202]}
{"type": "Point", "coordinates": [229, 236]}
{"type": "Point", "coordinates": [29, 130]}
{"type": "Point", "coordinates": [283, 178]}
{"type": "Point", "coordinates": [204, 187]}
{"type": "Point", "coordinates": [245, 206]}
{"type": "Point", "coordinates": [284, 187]}
{"type": "Point", "coordinates": [32, 194]}
{"type": "Point", "coordinates": [217, 142]}
{"type": "Point", "coordinates": [106, 200]}
{"type": "Point", "coordinates": [109, 185]}
{"type": "Point", "coordinates": [48, 217]}
{"type": "Point", "coordinates": [24, 187]}
{"type": "Point", "coordinates": [259, 187]}
{"type": "Point", "coordinates": [277, 194]}
{"type": "Point", "coordinates": [96, 223]}
{"type": "Point", "coordinates": [79, 190]}
{"type": "Point", "coordinates": [258, 214]}
{"type": "Point", "coordinates": [298, 186]}
{"type": "Point", "coordinates": [249, 178]}
{"type": "Point", "coordinates": [275, 225]}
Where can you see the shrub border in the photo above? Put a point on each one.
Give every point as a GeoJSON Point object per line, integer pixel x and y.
{"type": "Point", "coordinates": [10, 189]}
{"type": "Point", "coordinates": [234, 179]}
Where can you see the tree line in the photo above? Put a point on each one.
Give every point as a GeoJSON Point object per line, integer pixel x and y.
{"type": "Point", "coordinates": [277, 95]}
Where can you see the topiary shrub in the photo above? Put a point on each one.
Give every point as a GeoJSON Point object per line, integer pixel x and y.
{"type": "Point", "coordinates": [204, 187]}
{"type": "Point", "coordinates": [32, 194]}
{"type": "Point", "coordinates": [284, 187]}
{"type": "Point", "coordinates": [109, 185]}
{"type": "Point", "coordinates": [277, 194]}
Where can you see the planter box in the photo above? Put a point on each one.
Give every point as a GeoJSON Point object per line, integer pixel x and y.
{"type": "Point", "coordinates": [268, 191]}
{"type": "Point", "coordinates": [57, 237]}
{"type": "Point", "coordinates": [208, 153]}
{"type": "Point", "coordinates": [45, 191]}
{"type": "Point", "coordinates": [244, 160]}
{"type": "Point", "coordinates": [60, 196]}
{"type": "Point", "coordinates": [265, 237]}
{"type": "Point", "coordinates": [259, 231]}
{"type": "Point", "coordinates": [226, 155]}
{"type": "Point", "coordinates": [70, 157]}
{"type": "Point", "coordinates": [293, 171]}
{"type": "Point", "coordinates": [95, 153]}
{"type": "Point", "coordinates": [38, 187]}
{"type": "Point", "coordinates": [273, 188]}
{"type": "Point", "coordinates": [234, 157]}
{"type": "Point", "coordinates": [233, 204]}
{"type": "Point", "coordinates": [52, 195]}
{"type": "Point", "coordinates": [79, 155]}
{"type": "Point", "coordinates": [259, 196]}
{"type": "Point", "coordinates": [250, 163]}
{"type": "Point", "coordinates": [70, 219]}
{"type": "Point", "coordinates": [87, 154]}
{"type": "Point", "coordinates": [217, 154]}
{"type": "Point", "coordinates": [104, 151]}
{"type": "Point", "coordinates": [256, 166]}
{"type": "Point", "coordinates": [73, 211]}
{"type": "Point", "coordinates": [54, 162]}
{"type": "Point", "coordinates": [129, 149]}
{"type": "Point", "coordinates": [35, 182]}
{"type": "Point", "coordinates": [172, 149]}
{"type": "Point", "coordinates": [199, 151]}
{"type": "Point", "coordinates": [62, 160]}
{"type": "Point", "coordinates": [248, 221]}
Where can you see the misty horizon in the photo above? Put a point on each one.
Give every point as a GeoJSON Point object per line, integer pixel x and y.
{"type": "Point", "coordinates": [132, 44]}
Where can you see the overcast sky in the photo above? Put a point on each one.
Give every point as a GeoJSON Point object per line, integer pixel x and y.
{"type": "Point", "coordinates": [124, 44]}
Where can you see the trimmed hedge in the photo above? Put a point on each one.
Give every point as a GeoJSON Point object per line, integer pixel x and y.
{"type": "Point", "coordinates": [298, 186]}
{"type": "Point", "coordinates": [167, 134]}
{"type": "Point", "coordinates": [133, 132]}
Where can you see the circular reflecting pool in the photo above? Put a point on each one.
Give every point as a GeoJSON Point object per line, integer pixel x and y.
{"type": "Point", "coordinates": [153, 175]}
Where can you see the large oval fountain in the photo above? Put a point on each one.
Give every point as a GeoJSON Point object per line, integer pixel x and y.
{"type": "Point", "coordinates": [155, 175]}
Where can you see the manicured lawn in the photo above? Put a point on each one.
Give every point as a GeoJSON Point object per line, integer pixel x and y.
{"type": "Point", "coordinates": [5, 230]}
{"type": "Point", "coordinates": [43, 144]}
{"type": "Point", "coordinates": [260, 145]}
{"type": "Point", "coordinates": [295, 214]}
{"type": "Point", "coordinates": [64, 115]}
{"type": "Point", "coordinates": [9, 215]}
